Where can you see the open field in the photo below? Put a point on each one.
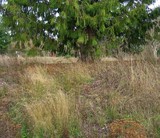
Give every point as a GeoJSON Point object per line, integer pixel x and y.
{"type": "Point", "coordinates": [79, 100]}
{"type": "Point", "coordinates": [8, 60]}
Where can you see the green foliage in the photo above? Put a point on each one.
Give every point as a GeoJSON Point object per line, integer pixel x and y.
{"type": "Point", "coordinates": [156, 29]}
{"type": "Point", "coordinates": [33, 52]}
{"type": "Point", "coordinates": [24, 133]}
{"type": "Point", "coordinates": [112, 114]}
{"type": "Point", "coordinates": [3, 91]}
{"type": "Point", "coordinates": [158, 52]}
{"type": "Point", "coordinates": [133, 48]}
{"type": "Point", "coordinates": [4, 39]}
{"type": "Point", "coordinates": [80, 25]}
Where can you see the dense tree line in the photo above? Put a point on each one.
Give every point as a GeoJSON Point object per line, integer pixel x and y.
{"type": "Point", "coordinates": [77, 26]}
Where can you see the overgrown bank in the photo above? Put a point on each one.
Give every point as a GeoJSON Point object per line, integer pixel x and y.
{"type": "Point", "coordinates": [85, 100]}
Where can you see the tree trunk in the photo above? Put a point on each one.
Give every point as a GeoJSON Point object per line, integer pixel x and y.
{"type": "Point", "coordinates": [87, 53]}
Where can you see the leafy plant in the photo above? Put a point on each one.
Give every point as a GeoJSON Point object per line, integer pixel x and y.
{"type": "Point", "coordinates": [4, 39]}
{"type": "Point", "coordinates": [80, 25]}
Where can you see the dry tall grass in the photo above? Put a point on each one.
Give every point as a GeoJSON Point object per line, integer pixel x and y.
{"type": "Point", "coordinates": [48, 95]}
{"type": "Point", "coordinates": [78, 100]}
{"type": "Point", "coordinates": [124, 90]}
{"type": "Point", "coordinates": [51, 115]}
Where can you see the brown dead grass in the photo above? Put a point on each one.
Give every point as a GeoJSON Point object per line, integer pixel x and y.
{"type": "Point", "coordinates": [112, 94]}
{"type": "Point", "coordinates": [126, 129]}
{"type": "Point", "coordinates": [123, 90]}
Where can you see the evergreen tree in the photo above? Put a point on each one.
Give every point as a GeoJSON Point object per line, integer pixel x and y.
{"type": "Point", "coordinates": [80, 25]}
